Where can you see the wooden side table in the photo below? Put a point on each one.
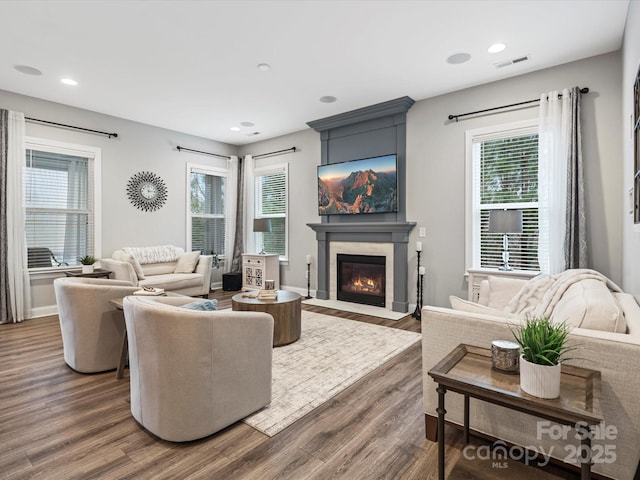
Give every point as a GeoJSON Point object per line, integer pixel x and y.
{"type": "Point", "coordinates": [467, 370]}
{"type": "Point", "coordinates": [286, 311]}
{"type": "Point", "coordinates": [124, 345]}
{"type": "Point", "coordinates": [97, 273]}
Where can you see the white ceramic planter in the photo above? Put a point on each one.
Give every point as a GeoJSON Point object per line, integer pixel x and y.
{"type": "Point", "coordinates": [539, 380]}
{"type": "Point", "coordinates": [87, 268]}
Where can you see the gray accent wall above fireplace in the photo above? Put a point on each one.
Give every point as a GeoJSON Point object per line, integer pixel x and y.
{"type": "Point", "coordinates": [367, 132]}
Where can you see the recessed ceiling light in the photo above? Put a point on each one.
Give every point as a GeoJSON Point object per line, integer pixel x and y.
{"type": "Point", "coordinates": [247, 124]}
{"type": "Point", "coordinates": [328, 99]}
{"type": "Point", "coordinates": [69, 81]}
{"type": "Point", "coordinates": [496, 48]}
{"type": "Point", "coordinates": [235, 129]}
{"type": "Point", "coordinates": [27, 69]}
{"type": "Point", "coordinates": [263, 67]}
{"type": "Point", "coordinates": [458, 58]}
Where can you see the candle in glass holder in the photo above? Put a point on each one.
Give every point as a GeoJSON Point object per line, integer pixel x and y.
{"type": "Point", "coordinates": [418, 246]}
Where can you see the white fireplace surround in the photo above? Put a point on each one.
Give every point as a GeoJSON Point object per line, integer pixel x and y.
{"type": "Point", "coordinates": [361, 248]}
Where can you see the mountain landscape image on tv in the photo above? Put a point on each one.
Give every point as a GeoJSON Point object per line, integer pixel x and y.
{"type": "Point", "coordinates": [359, 186]}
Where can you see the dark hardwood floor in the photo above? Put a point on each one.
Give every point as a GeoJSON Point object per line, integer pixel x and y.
{"type": "Point", "coordinates": [59, 424]}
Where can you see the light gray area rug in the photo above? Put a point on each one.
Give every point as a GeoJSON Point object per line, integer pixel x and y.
{"type": "Point", "coordinates": [332, 354]}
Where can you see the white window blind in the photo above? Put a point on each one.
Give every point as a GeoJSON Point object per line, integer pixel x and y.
{"type": "Point", "coordinates": [272, 202]}
{"type": "Point", "coordinates": [207, 212]}
{"type": "Point", "coordinates": [59, 199]}
{"type": "Point", "coordinates": [505, 176]}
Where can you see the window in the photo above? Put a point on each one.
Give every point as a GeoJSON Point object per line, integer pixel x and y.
{"type": "Point", "coordinates": [61, 202]}
{"type": "Point", "coordinates": [271, 201]}
{"type": "Point", "coordinates": [207, 186]}
{"type": "Point", "coordinates": [502, 173]}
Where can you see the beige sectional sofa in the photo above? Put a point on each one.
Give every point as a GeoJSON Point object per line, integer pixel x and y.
{"type": "Point", "coordinates": [613, 349]}
{"type": "Point", "coordinates": [166, 266]}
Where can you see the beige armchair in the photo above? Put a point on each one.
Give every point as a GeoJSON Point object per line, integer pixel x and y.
{"type": "Point", "coordinates": [91, 327]}
{"type": "Point", "coordinates": [193, 373]}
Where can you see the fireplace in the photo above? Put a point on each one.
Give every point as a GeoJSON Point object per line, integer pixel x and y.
{"type": "Point", "coordinates": [387, 239]}
{"type": "Point", "coordinates": [361, 279]}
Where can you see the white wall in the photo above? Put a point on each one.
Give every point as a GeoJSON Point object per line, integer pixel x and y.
{"type": "Point", "coordinates": [435, 171]}
{"type": "Point", "coordinates": [631, 236]}
{"type": "Point", "coordinates": [436, 165]}
{"type": "Point", "coordinates": [138, 147]}
{"type": "Point", "coordinates": [303, 198]}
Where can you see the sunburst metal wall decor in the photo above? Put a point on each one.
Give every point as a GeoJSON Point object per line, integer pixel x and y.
{"type": "Point", "coordinates": [147, 191]}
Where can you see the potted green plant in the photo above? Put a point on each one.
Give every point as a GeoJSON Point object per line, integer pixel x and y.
{"type": "Point", "coordinates": [87, 263]}
{"type": "Point", "coordinates": [543, 348]}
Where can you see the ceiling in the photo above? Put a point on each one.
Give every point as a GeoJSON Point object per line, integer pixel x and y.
{"type": "Point", "coordinates": [190, 66]}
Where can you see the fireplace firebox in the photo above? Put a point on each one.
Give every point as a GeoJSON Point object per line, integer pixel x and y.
{"type": "Point", "coordinates": [361, 279]}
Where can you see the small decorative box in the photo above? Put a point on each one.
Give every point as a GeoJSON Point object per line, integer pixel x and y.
{"type": "Point", "coordinates": [505, 356]}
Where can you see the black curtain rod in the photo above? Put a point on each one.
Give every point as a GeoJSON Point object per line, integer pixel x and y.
{"type": "Point", "coordinates": [451, 117]}
{"type": "Point", "coordinates": [203, 153]}
{"type": "Point", "coordinates": [292, 149]}
{"type": "Point", "coordinates": [71, 126]}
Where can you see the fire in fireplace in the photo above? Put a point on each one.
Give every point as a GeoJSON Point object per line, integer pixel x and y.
{"type": "Point", "coordinates": [361, 279]}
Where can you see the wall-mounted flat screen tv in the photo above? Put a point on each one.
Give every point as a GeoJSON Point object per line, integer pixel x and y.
{"type": "Point", "coordinates": [368, 185]}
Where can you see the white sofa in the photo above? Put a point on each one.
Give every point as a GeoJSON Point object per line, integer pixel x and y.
{"type": "Point", "coordinates": [166, 266]}
{"type": "Point", "coordinates": [615, 355]}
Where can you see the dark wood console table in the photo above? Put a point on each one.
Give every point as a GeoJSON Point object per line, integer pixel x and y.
{"type": "Point", "coordinates": [467, 370]}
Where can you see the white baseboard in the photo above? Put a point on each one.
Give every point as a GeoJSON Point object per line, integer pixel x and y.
{"type": "Point", "coordinates": [44, 311]}
{"type": "Point", "coordinates": [301, 291]}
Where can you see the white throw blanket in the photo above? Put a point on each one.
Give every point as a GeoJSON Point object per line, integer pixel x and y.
{"type": "Point", "coordinates": [539, 296]}
{"type": "Point", "coordinates": [144, 255]}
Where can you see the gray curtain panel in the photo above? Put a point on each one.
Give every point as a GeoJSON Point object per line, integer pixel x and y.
{"type": "Point", "coordinates": [6, 316]}
{"type": "Point", "coordinates": [576, 238]}
{"type": "Point", "coordinates": [236, 259]}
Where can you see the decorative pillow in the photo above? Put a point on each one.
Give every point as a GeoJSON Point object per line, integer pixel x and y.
{"type": "Point", "coordinates": [127, 257]}
{"type": "Point", "coordinates": [590, 304]}
{"type": "Point", "coordinates": [187, 262]}
{"type": "Point", "coordinates": [160, 254]}
{"type": "Point", "coordinates": [202, 305]}
{"type": "Point", "coordinates": [630, 312]}
{"type": "Point", "coordinates": [472, 307]}
{"type": "Point", "coordinates": [502, 290]}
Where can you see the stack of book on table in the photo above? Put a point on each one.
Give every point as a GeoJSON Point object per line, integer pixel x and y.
{"type": "Point", "coordinates": [149, 291]}
{"type": "Point", "coordinates": [268, 294]}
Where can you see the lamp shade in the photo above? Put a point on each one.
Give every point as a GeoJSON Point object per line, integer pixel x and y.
{"type": "Point", "coordinates": [262, 225]}
{"type": "Point", "coordinates": [505, 221]}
